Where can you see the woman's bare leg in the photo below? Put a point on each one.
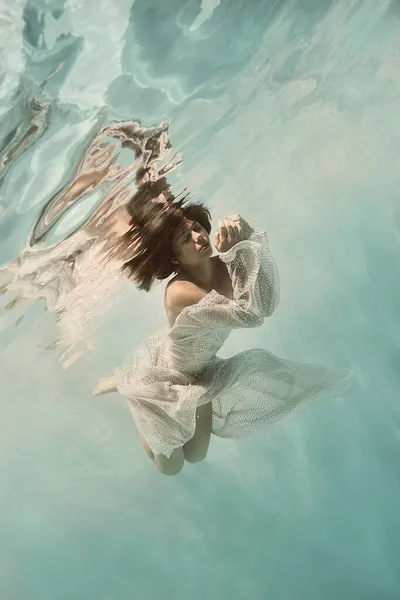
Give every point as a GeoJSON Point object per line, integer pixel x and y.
{"type": "Point", "coordinates": [166, 466]}
{"type": "Point", "coordinates": [196, 449]}
{"type": "Point", "coordinates": [172, 465]}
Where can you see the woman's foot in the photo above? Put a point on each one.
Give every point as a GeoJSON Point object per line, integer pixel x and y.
{"type": "Point", "coordinates": [107, 385]}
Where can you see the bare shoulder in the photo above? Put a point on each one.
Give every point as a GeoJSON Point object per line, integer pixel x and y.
{"type": "Point", "coordinates": [180, 293]}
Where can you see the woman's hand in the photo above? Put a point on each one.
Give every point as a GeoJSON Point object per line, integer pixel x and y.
{"type": "Point", "coordinates": [231, 230]}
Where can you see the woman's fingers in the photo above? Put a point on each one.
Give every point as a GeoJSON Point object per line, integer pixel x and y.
{"type": "Point", "coordinates": [231, 230]}
{"type": "Point", "coordinates": [235, 228]}
{"type": "Point", "coordinates": [242, 225]}
{"type": "Point", "coordinates": [222, 231]}
{"type": "Point", "coordinates": [236, 233]}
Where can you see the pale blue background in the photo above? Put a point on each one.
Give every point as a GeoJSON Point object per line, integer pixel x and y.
{"type": "Point", "coordinates": [287, 112]}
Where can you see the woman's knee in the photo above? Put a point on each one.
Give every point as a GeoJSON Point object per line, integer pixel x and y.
{"type": "Point", "coordinates": [195, 450]}
{"type": "Point", "coordinates": [169, 469]}
{"type": "Point", "coordinates": [195, 455]}
{"type": "Point", "coordinates": [171, 465]}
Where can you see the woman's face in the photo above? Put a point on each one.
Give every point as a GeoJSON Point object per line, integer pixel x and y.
{"type": "Point", "coordinates": [191, 243]}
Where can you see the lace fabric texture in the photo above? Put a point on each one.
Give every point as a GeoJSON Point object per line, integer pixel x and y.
{"type": "Point", "coordinates": [178, 369]}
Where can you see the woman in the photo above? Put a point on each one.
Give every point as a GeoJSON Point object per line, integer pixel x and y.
{"type": "Point", "coordinates": [178, 390]}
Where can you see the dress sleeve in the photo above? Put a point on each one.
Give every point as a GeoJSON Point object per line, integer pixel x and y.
{"type": "Point", "coordinates": [201, 329]}
{"type": "Point", "coordinates": [255, 279]}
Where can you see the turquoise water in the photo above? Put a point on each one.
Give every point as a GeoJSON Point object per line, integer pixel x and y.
{"type": "Point", "coordinates": [286, 112]}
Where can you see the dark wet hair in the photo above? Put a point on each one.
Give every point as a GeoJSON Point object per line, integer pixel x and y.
{"type": "Point", "coordinates": [153, 225]}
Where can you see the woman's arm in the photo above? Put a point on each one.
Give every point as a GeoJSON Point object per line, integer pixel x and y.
{"type": "Point", "coordinates": [252, 269]}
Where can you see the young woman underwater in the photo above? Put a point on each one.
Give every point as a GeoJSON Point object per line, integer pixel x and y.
{"type": "Point", "coordinates": [178, 390]}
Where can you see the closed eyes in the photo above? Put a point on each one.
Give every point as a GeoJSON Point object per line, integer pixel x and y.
{"type": "Point", "coordinates": [185, 237]}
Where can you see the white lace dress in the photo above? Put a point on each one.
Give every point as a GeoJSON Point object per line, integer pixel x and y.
{"type": "Point", "coordinates": [177, 369]}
